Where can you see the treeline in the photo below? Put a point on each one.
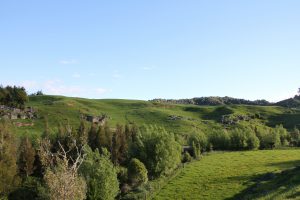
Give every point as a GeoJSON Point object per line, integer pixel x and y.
{"type": "Point", "coordinates": [13, 96]}
{"type": "Point", "coordinates": [244, 138]}
{"type": "Point", "coordinates": [85, 163]}
{"type": "Point", "coordinates": [213, 101]}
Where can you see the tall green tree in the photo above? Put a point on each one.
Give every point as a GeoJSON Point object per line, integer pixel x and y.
{"type": "Point", "coordinates": [199, 142]}
{"type": "Point", "coordinates": [92, 137]}
{"type": "Point", "coordinates": [8, 159]}
{"type": "Point", "coordinates": [100, 175]}
{"type": "Point", "coordinates": [26, 157]}
{"type": "Point", "coordinates": [157, 149]}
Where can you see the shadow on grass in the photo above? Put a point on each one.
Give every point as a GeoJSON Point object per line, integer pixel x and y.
{"type": "Point", "coordinates": [272, 185]}
{"type": "Point", "coordinates": [217, 114]}
{"type": "Point", "coordinates": [286, 164]}
{"type": "Point", "coordinates": [288, 120]}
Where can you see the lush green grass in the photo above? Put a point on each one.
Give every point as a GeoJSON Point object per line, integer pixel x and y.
{"type": "Point", "coordinates": [269, 174]}
{"type": "Point", "coordinates": [59, 109]}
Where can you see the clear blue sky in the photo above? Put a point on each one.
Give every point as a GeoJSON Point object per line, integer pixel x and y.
{"type": "Point", "coordinates": [142, 49]}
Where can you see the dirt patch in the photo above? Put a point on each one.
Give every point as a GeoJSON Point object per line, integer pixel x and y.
{"type": "Point", "coordinates": [21, 124]}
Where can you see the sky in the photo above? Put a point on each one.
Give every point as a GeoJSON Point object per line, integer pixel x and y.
{"type": "Point", "coordinates": [142, 49]}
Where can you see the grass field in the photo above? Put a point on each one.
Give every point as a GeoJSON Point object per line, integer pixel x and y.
{"type": "Point", "coordinates": [59, 109]}
{"type": "Point", "coordinates": [270, 174]}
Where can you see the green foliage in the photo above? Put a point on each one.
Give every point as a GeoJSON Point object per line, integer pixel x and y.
{"type": "Point", "coordinates": [186, 157]}
{"type": "Point", "coordinates": [199, 142]}
{"type": "Point", "coordinates": [100, 175]}
{"type": "Point", "coordinates": [157, 149]}
{"type": "Point", "coordinates": [119, 147]}
{"type": "Point", "coordinates": [269, 138]}
{"type": "Point", "coordinates": [26, 157]}
{"type": "Point", "coordinates": [252, 140]}
{"type": "Point", "coordinates": [283, 134]}
{"type": "Point", "coordinates": [30, 189]}
{"type": "Point", "coordinates": [8, 159]}
{"type": "Point", "coordinates": [238, 139]}
{"type": "Point", "coordinates": [295, 137]}
{"type": "Point", "coordinates": [13, 96]}
{"type": "Point", "coordinates": [137, 172]}
{"type": "Point", "coordinates": [220, 139]}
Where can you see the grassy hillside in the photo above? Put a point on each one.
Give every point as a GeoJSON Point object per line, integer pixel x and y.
{"type": "Point", "coordinates": [238, 175]}
{"type": "Point", "coordinates": [59, 109]}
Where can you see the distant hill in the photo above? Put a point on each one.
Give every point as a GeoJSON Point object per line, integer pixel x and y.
{"type": "Point", "coordinates": [214, 101]}
{"type": "Point", "coordinates": [290, 103]}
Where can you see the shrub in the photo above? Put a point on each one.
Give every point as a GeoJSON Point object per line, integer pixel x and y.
{"type": "Point", "coordinates": [252, 140]}
{"type": "Point", "coordinates": [220, 139]}
{"type": "Point", "coordinates": [157, 149]}
{"type": "Point", "coordinates": [137, 172]}
{"type": "Point", "coordinates": [199, 142]}
{"type": "Point", "coordinates": [186, 157]}
{"type": "Point", "coordinates": [269, 138]}
{"type": "Point", "coordinates": [238, 139]}
{"type": "Point", "coordinates": [295, 137]}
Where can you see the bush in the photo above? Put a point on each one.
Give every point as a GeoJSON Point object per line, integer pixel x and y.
{"type": "Point", "coordinates": [122, 175]}
{"type": "Point", "coordinates": [199, 143]}
{"type": "Point", "coordinates": [269, 138]}
{"type": "Point", "coordinates": [295, 137]}
{"type": "Point", "coordinates": [238, 139]}
{"type": "Point", "coordinates": [252, 140]}
{"type": "Point", "coordinates": [220, 140]}
{"type": "Point", "coordinates": [157, 149]}
{"type": "Point", "coordinates": [137, 172]}
{"type": "Point", "coordinates": [186, 157]}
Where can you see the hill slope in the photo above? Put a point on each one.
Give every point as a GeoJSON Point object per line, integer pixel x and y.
{"type": "Point", "coordinates": [238, 175]}
{"type": "Point", "coordinates": [180, 119]}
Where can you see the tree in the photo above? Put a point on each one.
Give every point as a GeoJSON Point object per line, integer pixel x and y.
{"type": "Point", "coordinates": [61, 175]}
{"type": "Point", "coordinates": [26, 157]}
{"type": "Point", "coordinates": [220, 139]}
{"type": "Point", "coordinates": [100, 175]}
{"type": "Point", "coordinates": [119, 145]}
{"type": "Point", "coordinates": [198, 141]}
{"type": "Point", "coordinates": [269, 138]}
{"type": "Point", "coordinates": [238, 139]}
{"type": "Point", "coordinates": [82, 135]}
{"type": "Point", "coordinates": [295, 137]}
{"type": "Point", "coordinates": [252, 140]}
{"type": "Point", "coordinates": [92, 137]}
{"type": "Point", "coordinates": [8, 162]}
{"type": "Point", "coordinates": [137, 172]}
{"type": "Point", "coordinates": [13, 96]}
{"type": "Point", "coordinates": [283, 134]}
{"type": "Point", "coordinates": [101, 140]}
{"type": "Point", "coordinates": [157, 149]}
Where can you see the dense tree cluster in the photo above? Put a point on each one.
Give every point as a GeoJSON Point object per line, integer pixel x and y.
{"type": "Point", "coordinates": [13, 96]}
{"type": "Point", "coordinates": [213, 101]}
{"type": "Point", "coordinates": [95, 162]}
{"type": "Point", "coordinates": [250, 138]}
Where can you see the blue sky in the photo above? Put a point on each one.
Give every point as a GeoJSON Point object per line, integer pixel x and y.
{"type": "Point", "coordinates": [137, 49]}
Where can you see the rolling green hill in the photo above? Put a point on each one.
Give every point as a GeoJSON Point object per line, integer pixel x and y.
{"type": "Point", "coordinates": [180, 119]}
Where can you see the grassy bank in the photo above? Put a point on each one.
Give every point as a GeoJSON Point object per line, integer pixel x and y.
{"type": "Point", "coordinates": [269, 174]}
